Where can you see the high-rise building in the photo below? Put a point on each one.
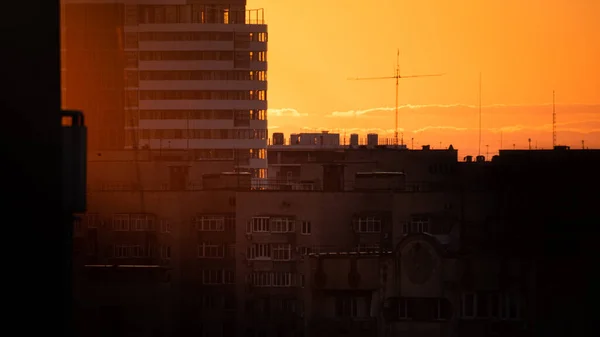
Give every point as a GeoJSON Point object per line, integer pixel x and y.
{"type": "Point", "coordinates": [167, 75]}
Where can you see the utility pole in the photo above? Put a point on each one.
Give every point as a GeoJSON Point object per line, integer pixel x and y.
{"type": "Point", "coordinates": [397, 77]}
{"type": "Point", "coordinates": [479, 151]}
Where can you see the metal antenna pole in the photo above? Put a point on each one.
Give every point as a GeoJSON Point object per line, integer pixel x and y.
{"type": "Point", "coordinates": [479, 150]}
{"type": "Point", "coordinates": [397, 77]}
{"type": "Point", "coordinates": [553, 121]}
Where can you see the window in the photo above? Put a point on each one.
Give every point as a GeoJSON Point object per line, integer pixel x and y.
{"type": "Point", "coordinates": [209, 223]}
{"type": "Point", "coordinates": [209, 302]}
{"type": "Point", "coordinates": [129, 251]}
{"type": "Point", "coordinates": [165, 226]}
{"type": "Point", "coordinates": [212, 276]}
{"type": "Point", "coordinates": [271, 279]}
{"type": "Point", "coordinates": [419, 224]}
{"type": "Point", "coordinates": [368, 225]}
{"type": "Point", "coordinates": [346, 307]}
{"type": "Point", "coordinates": [468, 305]}
{"type": "Point", "coordinates": [282, 252]}
{"type": "Point", "coordinates": [259, 251]}
{"type": "Point", "coordinates": [367, 248]}
{"type": "Point", "coordinates": [260, 224]}
{"type": "Point", "coordinates": [282, 225]}
{"type": "Point", "coordinates": [229, 276]}
{"type": "Point", "coordinates": [121, 251]}
{"type": "Point", "coordinates": [231, 251]}
{"type": "Point", "coordinates": [165, 252]}
{"type": "Point", "coordinates": [282, 279]}
{"type": "Point", "coordinates": [403, 310]}
{"type": "Point", "coordinates": [490, 305]}
{"type": "Point", "coordinates": [92, 220]}
{"type": "Point", "coordinates": [304, 250]}
{"type": "Point", "coordinates": [120, 222]}
{"type": "Point", "coordinates": [442, 309]}
{"type": "Point", "coordinates": [260, 279]}
{"type": "Point", "coordinates": [306, 228]}
{"type": "Point", "coordinates": [142, 222]}
{"type": "Point", "coordinates": [77, 225]}
{"type": "Point", "coordinates": [210, 251]}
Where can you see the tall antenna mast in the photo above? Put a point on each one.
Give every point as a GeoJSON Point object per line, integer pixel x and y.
{"type": "Point", "coordinates": [479, 151]}
{"type": "Point", "coordinates": [397, 80]}
{"type": "Point", "coordinates": [553, 121]}
{"type": "Point", "coordinates": [397, 77]}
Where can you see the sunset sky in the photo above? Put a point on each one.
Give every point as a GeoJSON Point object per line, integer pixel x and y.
{"type": "Point", "coordinates": [524, 50]}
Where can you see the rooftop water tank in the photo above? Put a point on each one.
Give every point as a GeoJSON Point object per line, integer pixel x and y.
{"type": "Point", "coordinates": [372, 139]}
{"type": "Point", "coordinates": [354, 139]}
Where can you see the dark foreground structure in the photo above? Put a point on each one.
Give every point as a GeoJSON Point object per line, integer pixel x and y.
{"type": "Point", "coordinates": [478, 248]}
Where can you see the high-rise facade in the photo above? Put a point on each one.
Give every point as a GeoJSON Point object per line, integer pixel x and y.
{"type": "Point", "coordinates": [170, 75]}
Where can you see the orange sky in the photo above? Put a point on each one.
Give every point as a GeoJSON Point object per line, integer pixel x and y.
{"type": "Point", "coordinates": [524, 49]}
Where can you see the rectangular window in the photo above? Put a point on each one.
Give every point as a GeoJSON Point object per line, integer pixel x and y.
{"type": "Point", "coordinates": [468, 305]}
{"type": "Point", "coordinates": [209, 223]}
{"type": "Point", "coordinates": [282, 225]}
{"type": "Point", "coordinates": [259, 251]}
{"type": "Point", "coordinates": [120, 222]}
{"type": "Point", "coordinates": [403, 312]}
{"type": "Point", "coordinates": [260, 224]}
{"type": "Point", "coordinates": [306, 228]}
{"type": "Point", "coordinates": [229, 277]}
{"type": "Point", "coordinates": [419, 224]}
{"type": "Point", "coordinates": [304, 250]}
{"type": "Point", "coordinates": [212, 276]}
{"type": "Point", "coordinates": [92, 220]}
{"type": "Point", "coordinates": [141, 222]}
{"type": "Point", "coordinates": [369, 224]}
{"type": "Point", "coordinates": [367, 248]}
{"type": "Point", "coordinates": [282, 279]}
{"type": "Point", "coordinates": [483, 305]}
{"type": "Point", "coordinates": [271, 279]}
{"type": "Point", "coordinates": [208, 250]}
{"type": "Point", "coordinates": [346, 307]}
{"type": "Point", "coordinates": [282, 252]}
{"type": "Point", "coordinates": [165, 226]}
{"type": "Point", "coordinates": [261, 279]}
{"type": "Point", "coordinates": [165, 252]}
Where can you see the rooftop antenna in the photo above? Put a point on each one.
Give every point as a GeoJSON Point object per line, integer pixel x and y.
{"type": "Point", "coordinates": [397, 77]}
{"type": "Point", "coordinates": [529, 140]}
{"type": "Point", "coordinates": [583, 144]}
{"type": "Point", "coordinates": [553, 121]}
{"type": "Point", "coordinates": [479, 151]}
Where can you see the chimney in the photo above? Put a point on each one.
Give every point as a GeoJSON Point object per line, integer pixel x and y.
{"type": "Point", "coordinates": [372, 139]}
{"type": "Point", "coordinates": [277, 138]}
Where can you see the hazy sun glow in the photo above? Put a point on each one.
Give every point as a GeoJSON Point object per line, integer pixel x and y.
{"type": "Point", "coordinates": [524, 50]}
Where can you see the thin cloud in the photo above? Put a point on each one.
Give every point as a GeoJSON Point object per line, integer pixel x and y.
{"type": "Point", "coordinates": [372, 112]}
{"type": "Point", "coordinates": [285, 112]}
{"type": "Point", "coordinates": [432, 128]}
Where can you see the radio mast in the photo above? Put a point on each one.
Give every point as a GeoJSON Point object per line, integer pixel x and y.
{"type": "Point", "coordinates": [397, 77]}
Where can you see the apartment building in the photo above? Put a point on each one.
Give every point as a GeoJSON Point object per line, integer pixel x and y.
{"type": "Point", "coordinates": [302, 158]}
{"type": "Point", "coordinates": [170, 75]}
{"type": "Point", "coordinates": [175, 250]}
{"type": "Point", "coordinates": [277, 231]}
{"type": "Point", "coordinates": [248, 257]}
